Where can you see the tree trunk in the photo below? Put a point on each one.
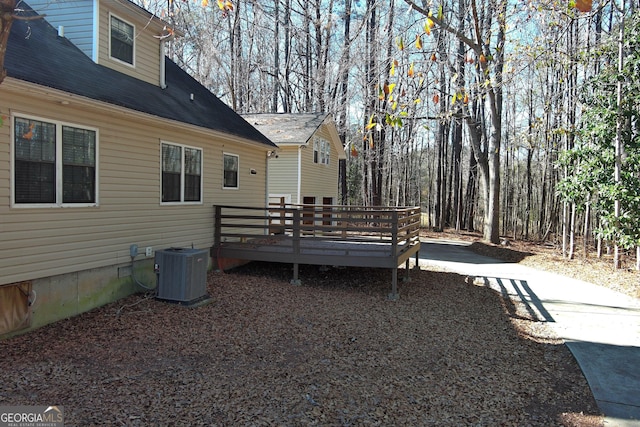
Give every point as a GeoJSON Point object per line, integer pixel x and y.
{"type": "Point", "coordinates": [565, 229]}
{"type": "Point", "coordinates": [456, 175]}
{"type": "Point", "coordinates": [618, 146]}
{"type": "Point", "coordinates": [585, 236]}
{"type": "Point", "coordinates": [276, 59]}
{"type": "Point", "coordinates": [470, 196]}
{"type": "Point", "coordinates": [344, 90]}
{"type": "Point", "coordinates": [439, 209]}
{"type": "Point", "coordinates": [572, 231]}
{"type": "Point", "coordinates": [492, 216]}
{"type": "Point", "coordinates": [527, 217]}
{"type": "Point", "coordinates": [307, 76]}
{"type": "Point", "coordinates": [286, 104]}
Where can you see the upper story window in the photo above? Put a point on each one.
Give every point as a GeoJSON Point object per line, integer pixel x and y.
{"type": "Point", "coordinates": [321, 151]}
{"type": "Point", "coordinates": [181, 174]}
{"type": "Point", "coordinates": [231, 163]}
{"type": "Point", "coordinates": [54, 164]}
{"type": "Point", "coordinates": [121, 45]}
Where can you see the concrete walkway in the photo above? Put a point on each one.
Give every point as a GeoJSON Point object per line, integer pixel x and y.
{"type": "Point", "coordinates": [601, 327]}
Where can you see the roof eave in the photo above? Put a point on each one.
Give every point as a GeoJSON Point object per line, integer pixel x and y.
{"type": "Point", "coordinates": [66, 98]}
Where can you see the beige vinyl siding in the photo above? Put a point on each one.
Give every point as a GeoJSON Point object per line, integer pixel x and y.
{"type": "Point", "coordinates": [146, 48]}
{"type": "Point", "coordinates": [320, 180]}
{"type": "Point", "coordinates": [283, 172]}
{"type": "Point", "coordinates": [43, 242]}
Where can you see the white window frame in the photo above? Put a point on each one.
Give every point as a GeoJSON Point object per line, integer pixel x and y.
{"type": "Point", "coordinates": [59, 185]}
{"type": "Point", "coordinates": [182, 175]}
{"type": "Point", "coordinates": [237, 187]}
{"type": "Point", "coordinates": [321, 151]}
{"type": "Point", "coordinates": [118, 60]}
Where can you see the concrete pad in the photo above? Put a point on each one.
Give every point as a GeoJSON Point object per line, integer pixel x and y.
{"type": "Point", "coordinates": [601, 327]}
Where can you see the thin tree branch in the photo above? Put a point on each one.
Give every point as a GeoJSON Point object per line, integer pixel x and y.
{"type": "Point", "coordinates": [443, 25]}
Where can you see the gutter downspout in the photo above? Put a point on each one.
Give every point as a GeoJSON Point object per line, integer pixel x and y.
{"type": "Point", "coordinates": [95, 46]}
{"type": "Point", "coordinates": [163, 72]}
{"type": "Point", "coordinates": [299, 172]}
{"type": "Point", "coordinates": [266, 180]}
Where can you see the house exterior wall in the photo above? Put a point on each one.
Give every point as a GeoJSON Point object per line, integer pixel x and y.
{"type": "Point", "coordinates": [78, 257]}
{"type": "Point", "coordinates": [147, 53]}
{"type": "Point", "coordinates": [76, 17]}
{"type": "Point", "coordinates": [319, 180]}
{"type": "Point", "coordinates": [283, 173]}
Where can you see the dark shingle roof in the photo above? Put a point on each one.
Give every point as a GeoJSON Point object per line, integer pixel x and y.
{"type": "Point", "coordinates": [36, 54]}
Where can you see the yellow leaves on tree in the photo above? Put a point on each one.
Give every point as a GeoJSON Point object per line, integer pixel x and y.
{"type": "Point", "coordinates": [459, 96]}
{"type": "Point", "coordinates": [394, 64]}
{"type": "Point", "coordinates": [225, 6]}
{"type": "Point", "coordinates": [370, 124]}
{"type": "Point", "coordinates": [428, 26]}
{"type": "Point", "coordinates": [388, 88]}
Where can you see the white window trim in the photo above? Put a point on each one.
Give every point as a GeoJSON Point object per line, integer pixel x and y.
{"type": "Point", "coordinates": [113, 58]}
{"type": "Point", "coordinates": [224, 187]}
{"type": "Point", "coordinates": [182, 202]}
{"type": "Point", "coordinates": [59, 124]}
{"type": "Point", "coordinates": [322, 147]}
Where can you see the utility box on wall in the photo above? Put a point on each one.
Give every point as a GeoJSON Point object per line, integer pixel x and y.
{"type": "Point", "coordinates": [182, 274]}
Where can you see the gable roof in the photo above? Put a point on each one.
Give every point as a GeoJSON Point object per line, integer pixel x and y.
{"type": "Point", "coordinates": [36, 54]}
{"type": "Point", "coordinates": [285, 128]}
{"type": "Point", "coordinates": [295, 129]}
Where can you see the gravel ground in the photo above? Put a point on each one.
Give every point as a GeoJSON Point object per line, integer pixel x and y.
{"type": "Point", "coordinates": [332, 352]}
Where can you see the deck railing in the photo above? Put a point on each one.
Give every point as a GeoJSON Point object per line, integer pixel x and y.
{"type": "Point", "coordinates": [353, 236]}
{"type": "Point", "coordinates": [398, 227]}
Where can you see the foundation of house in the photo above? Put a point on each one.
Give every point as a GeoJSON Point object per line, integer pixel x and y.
{"type": "Point", "coordinates": [60, 297]}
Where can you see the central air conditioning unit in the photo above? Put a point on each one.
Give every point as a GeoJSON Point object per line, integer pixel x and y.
{"type": "Point", "coordinates": [182, 274]}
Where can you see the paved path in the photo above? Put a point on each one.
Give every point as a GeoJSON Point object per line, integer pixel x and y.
{"type": "Point", "coordinates": [601, 327]}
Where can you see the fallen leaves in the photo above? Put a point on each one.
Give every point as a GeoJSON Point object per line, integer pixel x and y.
{"type": "Point", "coordinates": [333, 351]}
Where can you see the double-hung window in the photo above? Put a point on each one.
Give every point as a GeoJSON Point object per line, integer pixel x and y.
{"type": "Point", "coordinates": [321, 151]}
{"type": "Point", "coordinates": [231, 163]}
{"type": "Point", "coordinates": [181, 174]}
{"type": "Point", "coordinates": [54, 164]}
{"type": "Point", "coordinates": [121, 40]}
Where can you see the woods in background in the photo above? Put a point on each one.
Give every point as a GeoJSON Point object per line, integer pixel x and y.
{"type": "Point", "coordinates": [472, 109]}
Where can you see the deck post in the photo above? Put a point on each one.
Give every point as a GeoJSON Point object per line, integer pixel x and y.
{"type": "Point", "coordinates": [295, 281]}
{"type": "Point", "coordinates": [296, 246]}
{"type": "Point", "coordinates": [393, 296]}
{"type": "Point", "coordinates": [406, 271]}
{"type": "Point", "coordinates": [217, 225]}
{"type": "Point", "coordinates": [394, 233]}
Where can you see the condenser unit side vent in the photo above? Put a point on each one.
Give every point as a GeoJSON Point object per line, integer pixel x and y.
{"type": "Point", "coordinates": [182, 274]}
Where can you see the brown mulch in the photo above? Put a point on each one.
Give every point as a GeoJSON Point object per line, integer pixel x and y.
{"type": "Point", "coordinates": [332, 352]}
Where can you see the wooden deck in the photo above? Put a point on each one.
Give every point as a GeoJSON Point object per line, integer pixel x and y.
{"type": "Point", "coordinates": [319, 235]}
